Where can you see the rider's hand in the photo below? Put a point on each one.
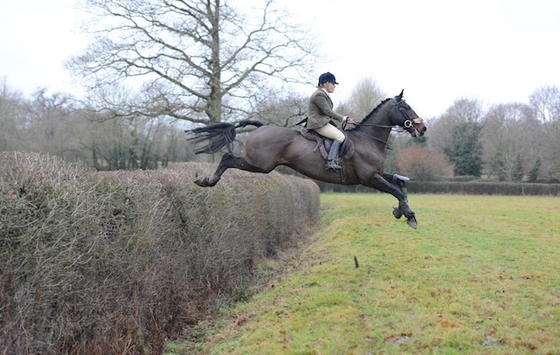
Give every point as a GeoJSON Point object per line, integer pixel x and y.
{"type": "Point", "coordinates": [350, 120]}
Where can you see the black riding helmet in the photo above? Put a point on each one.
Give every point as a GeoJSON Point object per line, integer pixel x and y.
{"type": "Point", "coordinates": [327, 77]}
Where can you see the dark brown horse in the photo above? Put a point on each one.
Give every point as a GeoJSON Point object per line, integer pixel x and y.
{"type": "Point", "coordinates": [270, 146]}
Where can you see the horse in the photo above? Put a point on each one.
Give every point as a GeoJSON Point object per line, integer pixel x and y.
{"type": "Point", "coordinates": [362, 164]}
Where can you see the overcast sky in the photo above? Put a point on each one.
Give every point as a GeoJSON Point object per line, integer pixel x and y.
{"type": "Point", "coordinates": [496, 51]}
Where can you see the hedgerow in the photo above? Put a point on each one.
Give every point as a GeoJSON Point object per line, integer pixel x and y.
{"type": "Point", "coordinates": [119, 262]}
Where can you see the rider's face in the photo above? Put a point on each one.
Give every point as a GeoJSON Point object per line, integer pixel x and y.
{"type": "Point", "coordinates": [330, 87]}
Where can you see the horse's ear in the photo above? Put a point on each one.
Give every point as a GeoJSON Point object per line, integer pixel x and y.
{"type": "Point", "coordinates": [400, 95]}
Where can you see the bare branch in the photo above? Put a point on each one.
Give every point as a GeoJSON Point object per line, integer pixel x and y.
{"type": "Point", "coordinates": [198, 56]}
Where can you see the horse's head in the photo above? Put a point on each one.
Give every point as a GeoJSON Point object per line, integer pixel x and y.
{"type": "Point", "coordinates": [404, 116]}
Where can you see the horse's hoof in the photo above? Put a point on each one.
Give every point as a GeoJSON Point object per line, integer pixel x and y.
{"type": "Point", "coordinates": [397, 213]}
{"type": "Point", "coordinates": [201, 182]}
{"type": "Point", "coordinates": [207, 181]}
{"type": "Point", "coordinates": [411, 221]}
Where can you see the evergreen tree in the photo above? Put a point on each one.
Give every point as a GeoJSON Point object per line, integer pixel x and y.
{"type": "Point", "coordinates": [534, 173]}
{"type": "Point", "coordinates": [465, 149]}
{"type": "Point", "coordinates": [518, 170]}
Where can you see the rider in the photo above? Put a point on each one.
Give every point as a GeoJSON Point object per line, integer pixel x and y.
{"type": "Point", "coordinates": [320, 116]}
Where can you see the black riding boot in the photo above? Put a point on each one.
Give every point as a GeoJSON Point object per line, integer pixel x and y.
{"type": "Point", "coordinates": [333, 155]}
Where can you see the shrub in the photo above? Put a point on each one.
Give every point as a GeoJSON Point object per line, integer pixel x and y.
{"type": "Point", "coordinates": [423, 164]}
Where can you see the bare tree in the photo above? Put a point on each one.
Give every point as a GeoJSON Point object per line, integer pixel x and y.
{"type": "Point", "coordinates": [200, 60]}
{"type": "Point", "coordinates": [12, 118]}
{"type": "Point", "coordinates": [546, 103]}
{"type": "Point", "coordinates": [139, 143]}
{"type": "Point", "coordinates": [51, 125]}
{"type": "Point", "coordinates": [511, 141]}
{"type": "Point", "coordinates": [283, 111]}
{"type": "Point", "coordinates": [365, 96]}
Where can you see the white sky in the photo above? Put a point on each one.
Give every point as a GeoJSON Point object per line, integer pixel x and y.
{"type": "Point", "coordinates": [497, 51]}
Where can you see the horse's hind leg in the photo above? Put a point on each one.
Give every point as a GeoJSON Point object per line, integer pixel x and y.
{"type": "Point", "coordinates": [225, 163]}
{"type": "Point", "coordinates": [228, 161]}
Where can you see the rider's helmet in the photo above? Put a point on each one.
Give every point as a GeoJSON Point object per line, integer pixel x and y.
{"type": "Point", "coordinates": [327, 77]}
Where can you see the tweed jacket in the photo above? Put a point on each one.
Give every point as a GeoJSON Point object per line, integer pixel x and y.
{"type": "Point", "coordinates": [320, 111]}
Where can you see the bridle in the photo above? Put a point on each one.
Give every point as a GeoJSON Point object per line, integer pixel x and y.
{"type": "Point", "coordinates": [408, 122]}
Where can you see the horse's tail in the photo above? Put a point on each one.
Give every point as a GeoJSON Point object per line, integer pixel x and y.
{"type": "Point", "coordinates": [211, 139]}
{"type": "Point", "coordinates": [245, 123]}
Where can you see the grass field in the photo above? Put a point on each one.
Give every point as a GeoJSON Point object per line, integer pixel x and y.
{"type": "Point", "coordinates": [480, 275]}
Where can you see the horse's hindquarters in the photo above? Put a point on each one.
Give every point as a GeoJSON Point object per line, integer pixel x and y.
{"type": "Point", "coordinates": [270, 146]}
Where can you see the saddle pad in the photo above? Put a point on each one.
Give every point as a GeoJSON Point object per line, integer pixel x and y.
{"type": "Point", "coordinates": [324, 144]}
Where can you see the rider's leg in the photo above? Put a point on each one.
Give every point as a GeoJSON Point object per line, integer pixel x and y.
{"type": "Point", "coordinates": [332, 132]}
{"type": "Point", "coordinates": [333, 156]}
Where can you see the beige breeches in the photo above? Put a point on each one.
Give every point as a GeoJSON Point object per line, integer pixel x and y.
{"type": "Point", "coordinates": [331, 131]}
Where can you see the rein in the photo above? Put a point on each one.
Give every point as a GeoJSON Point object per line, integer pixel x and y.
{"type": "Point", "coordinates": [375, 125]}
{"type": "Point", "coordinates": [374, 138]}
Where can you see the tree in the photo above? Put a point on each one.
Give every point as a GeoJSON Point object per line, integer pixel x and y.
{"type": "Point", "coordinates": [52, 124]}
{"type": "Point", "coordinates": [462, 144]}
{"type": "Point", "coordinates": [465, 151]}
{"type": "Point", "coordinates": [546, 103]}
{"type": "Point", "coordinates": [202, 60]}
{"type": "Point", "coordinates": [283, 111]}
{"type": "Point", "coordinates": [12, 118]}
{"type": "Point", "coordinates": [130, 143]}
{"type": "Point", "coordinates": [535, 170]}
{"type": "Point", "coordinates": [511, 141]}
{"type": "Point", "coordinates": [365, 96]}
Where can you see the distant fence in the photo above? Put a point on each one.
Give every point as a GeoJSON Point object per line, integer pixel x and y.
{"type": "Point", "coordinates": [484, 188]}
{"type": "Point", "coordinates": [460, 187]}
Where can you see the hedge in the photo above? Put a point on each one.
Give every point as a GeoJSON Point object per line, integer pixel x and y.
{"type": "Point", "coordinates": [119, 262]}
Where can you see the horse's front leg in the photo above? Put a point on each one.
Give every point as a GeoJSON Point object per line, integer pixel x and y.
{"type": "Point", "coordinates": [400, 181]}
{"type": "Point", "coordinates": [395, 185]}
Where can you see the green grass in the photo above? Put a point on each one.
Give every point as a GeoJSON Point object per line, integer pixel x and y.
{"type": "Point", "coordinates": [480, 275]}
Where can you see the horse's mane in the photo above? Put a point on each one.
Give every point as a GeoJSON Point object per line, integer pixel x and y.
{"type": "Point", "coordinates": [372, 113]}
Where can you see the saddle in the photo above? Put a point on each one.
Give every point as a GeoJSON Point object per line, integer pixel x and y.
{"type": "Point", "coordinates": [324, 144]}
